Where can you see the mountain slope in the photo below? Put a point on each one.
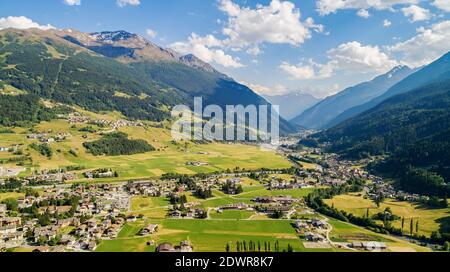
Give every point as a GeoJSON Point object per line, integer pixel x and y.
{"type": "Point", "coordinates": [320, 116]}
{"type": "Point", "coordinates": [186, 73]}
{"type": "Point", "coordinates": [293, 104]}
{"type": "Point", "coordinates": [438, 70]}
{"type": "Point", "coordinates": [41, 63]}
{"type": "Point", "coordinates": [412, 130]}
{"type": "Point", "coordinates": [125, 73]}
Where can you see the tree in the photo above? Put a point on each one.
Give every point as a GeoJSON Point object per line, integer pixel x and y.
{"type": "Point", "coordinates": [367, 213]}
{"type": "Point", "coordinates": [227, 247]}
{"type": "Point", "coordinates": [403, 223]}
{"type": "Point", "coordinates": [411, 227]}
{"type": "Point", "coordinates": [446, 246]}
{"type": "Point", "coordinates": [11, 204]}
{"type": "Point", "coordinates": [417, 226]}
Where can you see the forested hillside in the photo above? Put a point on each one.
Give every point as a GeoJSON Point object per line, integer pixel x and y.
{"type": "Point", "coordinates": [413, 129]}
{"type": "Point", "coordinates": [42, 65]}
{"type": "Point", "coordinates": [50, 66]}
{"type": "Point", "coordinates": [436, 71]}
{"type": "Point", "coordinates": [321, 115]}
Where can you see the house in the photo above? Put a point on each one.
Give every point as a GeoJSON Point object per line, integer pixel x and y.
{"type": "Point", "coordinates": [319, 224]}
{"type": "Point", "coordinates": [165, 247]}
{"type": "Point", "coordinates": [371, 246]}
{"type": "Point", "coordinates": [10, 221]}
{"type": "Point", "coordinates": [185, 246]}
{"type": "Point", "coordinates": [3, 208]}
{"type": "Point", "coordinates": [314, 237]}
{"type": "Point", "coordinates": [150, 229]}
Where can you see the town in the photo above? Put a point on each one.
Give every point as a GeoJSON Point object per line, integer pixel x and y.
{"type": "Point", "coordinates": [55, 216]}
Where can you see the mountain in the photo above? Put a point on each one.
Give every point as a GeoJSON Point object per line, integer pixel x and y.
{"type": "Point", "coordinates": [127, 47]}
{"type": "Point", "coordinates": [292, 104]}
{"type": "Point", "coordinates": [183, 72]}
{"type": "Point", "coordinates": [438, 70]}
{"type": "Point", "coordinates": [411, 129]}
{"type": "Point", "coordinates": [322, 114]}
{"type": "Point", "coordinates": [113, 71]}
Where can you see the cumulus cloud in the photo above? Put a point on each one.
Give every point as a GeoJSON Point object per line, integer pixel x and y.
{"type": "Point", "coordinates": [246, 29]}
{"type": "Point", "coordinates": [326, 7]}
{"type": "Point", "coordinates": [21, 22]}
{"type": "Point", "coordinates": [208, 49]}
{"type": "Point", "coordinates": [151, 33]}
{"type": "Point", "coordinates": [123, 3]}
{"type": "Point", "coordinates": [72, 2]}
{"type": "Point", "coordinates": [387, 23]}
{"type": "Point", "coordinates": [351, 57]}
{"type": "Point", "coordinates": [428, 45]}
{"type": "Point", "coordinates": [416, 13]}
{"type": "Point", "coordinates": [279, 23]}
{"type": "Point", "coordinates": [442, 4]}
{"type": "Point", "coordinates": [278, 89]}
{"type": "Point", "coordinates": [310, 70]}
{"type": "Point", "coordinates": [363, 13]}
{"type": "Point", "coordinates": [355, 57]}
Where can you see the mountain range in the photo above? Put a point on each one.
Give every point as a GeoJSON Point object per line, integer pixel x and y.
{"type": "Point", "coordinates": [410, 128]}
{"type": "Point", "coordinates": [114, 70]}
{"type": "Point", "coordinates": [292, 104]}
{"type": "Point", "coordinates": [324, 113]}
{"type": "Point", "coordinates": [436, 71]}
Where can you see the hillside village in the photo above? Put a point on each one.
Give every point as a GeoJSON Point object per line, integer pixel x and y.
{"type": "Point", "coordinates": [56, 216]}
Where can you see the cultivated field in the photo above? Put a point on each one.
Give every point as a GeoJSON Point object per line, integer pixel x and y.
{"type": "Point", "coordinates": [170, 157]}
{"type": "Point", "coordinates": [429, 219]}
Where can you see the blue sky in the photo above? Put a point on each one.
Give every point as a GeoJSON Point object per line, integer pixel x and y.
{"type": "Point", "coordinates": [274, 46]}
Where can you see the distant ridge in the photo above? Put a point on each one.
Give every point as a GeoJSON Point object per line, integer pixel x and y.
{"type": "Point", "coordinates": [322, 115]}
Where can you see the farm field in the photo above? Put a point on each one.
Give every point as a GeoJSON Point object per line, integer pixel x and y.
{"type": "Point", "coordinates": [205, 235]}
{"type": "Point", "coordinates": [157, 207]}
{"type": "Point", "coordinates": [429, 219]}
{"type": "Point", "coordinates": [213, 235]}
{"type": "Point", "coordinates": [4, 196]}
{"type": "Point", "coordinates": [169, 157]}
{"type": "Point", "coordinates": [345, 232]}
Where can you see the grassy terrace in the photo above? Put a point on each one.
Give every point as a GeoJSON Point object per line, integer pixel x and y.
{"type": "Point", "coordinates": [169, 157]}
{"type": "Point", "coordinates": [429, 219]}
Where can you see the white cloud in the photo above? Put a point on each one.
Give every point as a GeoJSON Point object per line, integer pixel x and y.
{"type": "Point", "coordinates": [326, 7]}
{"type": "Point", "coordinates": [246, 29]}
{"type": "Point", "coordinates": [21, 22]}
{"type": "Point", "coordinates": [255, 51]}
{"type": "Point", "coordinates": [355, 57]}
{"type": "Point", "coordinates": [363, 13]}
{"type": "Point", "coordinates": [428, 45]}
{"type": "Point", "coordinates": [278, 89]}
{"type": "Point", "coordinates": [387, 23]}
{"type": "Point", "coordinates": [416, 13]}
{"type": "Point", "coordinates": [308, 71]}
{"type": "Point", "coordinates": [442, 4]}
{"type": "Point", "coordinates": [207, 49]}
{"type": "Point", "coordinates": [278, 23]}
{"type": "Point", "coordinates": [72, 2]}
{"type": "Point", "coordinates": [298, 72]}
{"type": "Point", "coordinates": [151, 33]}
{"type": "Point", "coordinates": [316, 27]}
{"type": "Point", "coordinates": [123, 3]}
{"type": "Point", "coordinates": [351, 57]}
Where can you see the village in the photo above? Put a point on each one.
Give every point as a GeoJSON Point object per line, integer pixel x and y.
{"type": "Point", "coordinates": [58, 216]}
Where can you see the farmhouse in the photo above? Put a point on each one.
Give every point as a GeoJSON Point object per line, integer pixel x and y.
{"type": "Point", "coordinates": [371, 246]}
{"type": "Point", "coordinates": [150, 229]}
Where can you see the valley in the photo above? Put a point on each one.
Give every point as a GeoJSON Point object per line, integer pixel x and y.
{"type": "Point", "coordinates": [88, 162]}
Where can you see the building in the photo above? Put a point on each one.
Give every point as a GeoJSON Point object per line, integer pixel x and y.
{"type": "Point", "coordinates": [150, 229]}
{"type": "Point", "coordinates": [371, 246]}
